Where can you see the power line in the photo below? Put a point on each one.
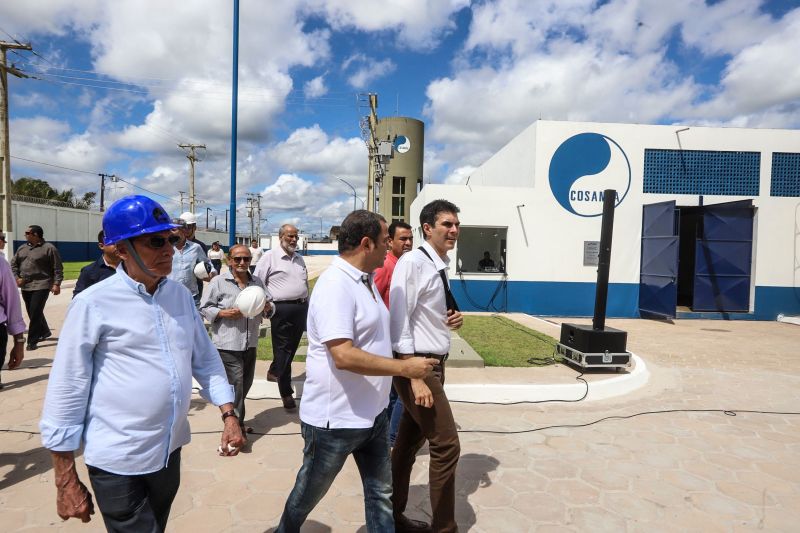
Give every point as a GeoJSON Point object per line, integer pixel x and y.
{"type": "Point", "coordinates": [94, 174]}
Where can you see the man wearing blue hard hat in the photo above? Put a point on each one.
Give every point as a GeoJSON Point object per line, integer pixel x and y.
{"type": "Point", "coordinates": [121, 382]}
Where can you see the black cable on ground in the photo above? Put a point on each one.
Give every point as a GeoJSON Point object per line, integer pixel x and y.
{"type": "Point", "coordinates": [727, 412]}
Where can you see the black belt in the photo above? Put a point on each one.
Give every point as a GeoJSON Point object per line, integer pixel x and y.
{"type": "Point", "coordinates": [298, 301]}
{"type": "Point", "coordinates": [441, 358]}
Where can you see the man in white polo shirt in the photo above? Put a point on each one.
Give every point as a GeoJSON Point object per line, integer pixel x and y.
{"type": "Point", "coordinates": [346, 392]}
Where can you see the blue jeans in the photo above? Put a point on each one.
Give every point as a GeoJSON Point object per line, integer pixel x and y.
{"type": "Point", "coordinates": [395, 414]}
{"type": "Point", "coordinates": [324, 454]}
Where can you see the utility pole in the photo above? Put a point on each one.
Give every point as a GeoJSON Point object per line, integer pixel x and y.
{"type": "Point", "coordinates": [192, 157]}
{"type": "Point", "coordinates": [250, 212]}
{"type": "Point", "coordinates": [372, 147]}
{"type": "Point", "coordinates": [103, 188]}
{"type": "Point", "coordinates": [5, 145]}
{"type": "Point", "coordinates": [258, 228]}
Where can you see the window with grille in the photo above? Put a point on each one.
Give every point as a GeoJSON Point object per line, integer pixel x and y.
{"type": "Point", "coordinates": [704, 172]}
{"type": "Point", "coordinates": [398, 207]}
{"type": "Point", "coordinates": [398, 185]}
{"type": "Point", "coordinates": [785, 174]}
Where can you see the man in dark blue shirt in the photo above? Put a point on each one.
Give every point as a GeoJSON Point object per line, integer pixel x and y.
{"type": "Point", "coordinates": [104, 267]}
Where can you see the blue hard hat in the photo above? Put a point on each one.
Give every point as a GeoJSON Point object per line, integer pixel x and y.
{"type": "Point", "coordinates": [132, 216]}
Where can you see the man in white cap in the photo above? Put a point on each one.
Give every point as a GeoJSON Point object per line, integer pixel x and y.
{"type": "Point", "coordinates": [187, 256]}
{"type": "Point", "coordinates": [191, 229]}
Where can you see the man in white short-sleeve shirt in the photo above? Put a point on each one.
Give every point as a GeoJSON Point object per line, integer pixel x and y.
{"type": "Point", "coordinates": [348, 365]}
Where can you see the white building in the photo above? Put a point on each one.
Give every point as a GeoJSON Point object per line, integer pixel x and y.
{"type": "Point", "coordinates": [707, 222]}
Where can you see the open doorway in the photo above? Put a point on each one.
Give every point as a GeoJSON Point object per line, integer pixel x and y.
{"type": "Point", "coordinates": [696, 258]}
{"type": "Point", "coordinates": [689, 220]}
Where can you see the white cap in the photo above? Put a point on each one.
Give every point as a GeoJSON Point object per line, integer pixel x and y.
{"type": "Point", "coordinates": [251, 301]}
{"type": "Point", "coordinates": [188, 217]}
{"type": "Point", "coordinates": [201, 271]}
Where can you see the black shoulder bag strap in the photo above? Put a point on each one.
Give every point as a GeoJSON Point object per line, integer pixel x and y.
{"type": "Point", "coordinates": [450, 300]}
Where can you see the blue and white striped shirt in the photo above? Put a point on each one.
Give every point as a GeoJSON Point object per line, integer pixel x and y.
{"type": "Point", "coordinates": [122, 376]}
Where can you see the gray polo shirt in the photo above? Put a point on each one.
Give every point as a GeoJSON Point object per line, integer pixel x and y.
{"type": "Point", "coordinates": [234, 334]}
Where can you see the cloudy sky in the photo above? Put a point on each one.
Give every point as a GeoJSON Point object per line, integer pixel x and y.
{"type": "Point", "coordinates": [116, 85]}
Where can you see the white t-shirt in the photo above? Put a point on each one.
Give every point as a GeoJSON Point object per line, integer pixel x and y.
{"type": "Point", "coordinates": [256, 254]}
{"type": "Point", "coordinates": [342, 307]}
{"type": "Point", "coordinates": [216, 254]}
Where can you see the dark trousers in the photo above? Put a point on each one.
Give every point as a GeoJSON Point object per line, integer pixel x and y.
{"type": "Point", "coordinates": [137, 503]}
{"type": "Point", "coordinates": [287, 326]}
{"type": "Point", "coordinates": [240, 368]}
{"type": "Point", "coordinates": [3, 345]}
{"type": "Point", "coordinates": [34, 304]}
{"type": "Point", "coordinates": [436, 425]}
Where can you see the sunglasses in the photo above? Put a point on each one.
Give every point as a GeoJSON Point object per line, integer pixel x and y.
{"type": "Point", "coordinates": [242, 259]}
{"type": "Point", "coordinates": [156, 242]}
{"type": "Point", "coordinates": [3, 238]}
{"type": "Point", "coordinates": [28, 233]}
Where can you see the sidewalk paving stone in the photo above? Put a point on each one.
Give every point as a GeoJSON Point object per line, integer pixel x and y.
{"type": "Point", "coordinates": [677, 471]}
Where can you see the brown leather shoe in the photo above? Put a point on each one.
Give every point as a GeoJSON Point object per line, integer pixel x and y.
{"type": "Point", "coordinates": [271, 377]}
{"type": "Point", "coordinates": [403, 524]}
{"type": "Point", "coordinates": [288, 402]}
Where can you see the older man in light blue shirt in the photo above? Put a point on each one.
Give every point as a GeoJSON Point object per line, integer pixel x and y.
{"type": "Point", "coordinates": [121, 382]}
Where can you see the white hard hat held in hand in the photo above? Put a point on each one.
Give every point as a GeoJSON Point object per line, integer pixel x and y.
{"type": "Point", "coordinates": [251, 301]}
{"type": "Point", "coordinates": [202, 270]}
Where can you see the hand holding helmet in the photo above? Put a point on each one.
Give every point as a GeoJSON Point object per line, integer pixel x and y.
{"type": "Point", "coordinates": [251, 301]}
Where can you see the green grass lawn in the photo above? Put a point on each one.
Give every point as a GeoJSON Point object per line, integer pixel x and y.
{"type": "Point", "coordinates": [499, 341]}
{"type": "Point", "coordinates": [503, 342]}
{"type": "Point", "coordinates": [73, 268]}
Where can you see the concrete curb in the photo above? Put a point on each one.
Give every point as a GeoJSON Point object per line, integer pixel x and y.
{"type": "Point", "coordinates": [618, 385]}
{"type": "Point", "coordinates": [532, 392]}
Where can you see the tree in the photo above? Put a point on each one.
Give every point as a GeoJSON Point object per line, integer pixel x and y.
{"type": "Point", "coordinates": [36, 188]}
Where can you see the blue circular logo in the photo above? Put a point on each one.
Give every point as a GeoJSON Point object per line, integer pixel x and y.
{"type": "Point", "coordinates": [402, 144]}
{"type": "Point", "coordinates": [582, 167]}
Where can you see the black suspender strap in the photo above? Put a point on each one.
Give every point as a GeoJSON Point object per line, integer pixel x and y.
{"type": "Point", "coordinates": [450, 300]}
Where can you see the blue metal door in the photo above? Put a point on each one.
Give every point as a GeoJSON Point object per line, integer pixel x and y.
{"type": "Point", "coordinates": [723, 257]}
{"type": "Point", "coordinates": [658, 279]}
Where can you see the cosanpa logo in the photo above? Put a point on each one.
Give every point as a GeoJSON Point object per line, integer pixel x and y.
{"type": "Point", "coordinates": [583, 167]}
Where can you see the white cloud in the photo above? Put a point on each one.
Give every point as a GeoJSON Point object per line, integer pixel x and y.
{"type": "Point", "coordinates": [459, 175]}
{"type": "Point", "coordinates": [315, 88]}
{"type": "Point", "coordinates": [364, 70]}
{"type": "Point", "coordinates": [289, 193]}
{"type": "Point", "coordinates": [759, 86]}
{"type": "Point", "coordinates": [625, 61]}
{"type": "Point", "coordinates": [418, 25]}
{"type": "Point", "coordinates": [311, 150]}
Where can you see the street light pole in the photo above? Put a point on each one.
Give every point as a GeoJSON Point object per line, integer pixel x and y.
{"type": "Point", "coordinates": [207, 210]}
{"type": "Point", "coordinates": [354, 191]}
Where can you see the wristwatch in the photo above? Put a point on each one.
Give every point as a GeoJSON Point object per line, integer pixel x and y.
{"type": "Point", "coordinates": [229, 412]}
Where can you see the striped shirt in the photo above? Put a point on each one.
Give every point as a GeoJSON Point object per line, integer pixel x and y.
{"type": "Point", "coordinates": [233, 334]}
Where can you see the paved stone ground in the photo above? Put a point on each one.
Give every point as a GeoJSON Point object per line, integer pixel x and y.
{"type": "Point", "coordinates": [676, 471]}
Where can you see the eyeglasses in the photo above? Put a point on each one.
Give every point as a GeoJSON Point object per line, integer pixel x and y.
{"type": "Point", "coordinates": [156, 242]}
{"type": "Point", "coordinates": [241, 259]}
